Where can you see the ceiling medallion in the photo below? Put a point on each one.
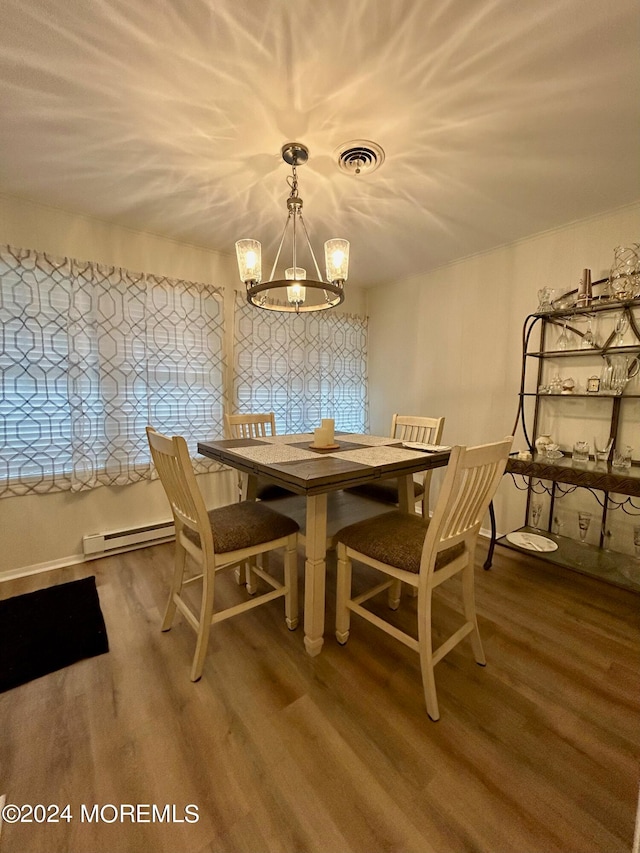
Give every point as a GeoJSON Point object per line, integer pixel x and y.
{"type": "Point", "coordinates": [302, 293]}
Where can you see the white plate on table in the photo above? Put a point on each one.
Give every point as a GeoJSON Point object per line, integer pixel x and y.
{"type": "Point", "coordinates": [428, 448]}
{"type": "Point", "coordinates": [532, 541]}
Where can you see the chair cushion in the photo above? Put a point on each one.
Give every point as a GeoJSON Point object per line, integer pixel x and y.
{"type": "Point", "coordinates": [385, 491]}
{"type": "Point", "coordinates": [396, 539]}
{"type": "Point", "coordinates": [243, 525]}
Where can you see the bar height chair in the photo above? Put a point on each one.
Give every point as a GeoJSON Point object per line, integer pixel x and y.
{"type": "Point", "coordinates": [250, 425]}
{"type": "Point", "coordinates": [216, 540]}
{"type": "Point", "coordinates": [257, 425]}
{"type": "Point", "coordinates": [406, 428]}
{"type": "Point", "coordinates": [424, 553]}
{"type": "Point", "coordinates": [253, 425]}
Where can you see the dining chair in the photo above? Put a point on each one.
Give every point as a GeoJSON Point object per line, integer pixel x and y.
{"type": "Point", "coordinates": [406, 428]}
{"type": "Point", "coordinates": [218, 539]}
{"type": "Point", "coordinates": [254, 426]}
{"type": "Point", "coordinates": [424, 553]}
{"type": "Point", "coordinates": [250, 425]}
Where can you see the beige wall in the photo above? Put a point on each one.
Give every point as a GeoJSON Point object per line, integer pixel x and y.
{"type": "Point", "coordinates": [47, 229]}
{"type": "Point", "coordinates": [456, 333]}
{"type": "Point", "coordinates": [31, 226]}
{"type": "Point", "coordinates": [40, 530]}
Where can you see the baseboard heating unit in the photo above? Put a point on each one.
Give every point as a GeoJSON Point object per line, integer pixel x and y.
{"type": "Point", "coordinates": [97, 544]}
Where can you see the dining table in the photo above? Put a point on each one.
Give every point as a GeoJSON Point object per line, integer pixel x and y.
{"type": "Point", "coordinates": [293, 463]}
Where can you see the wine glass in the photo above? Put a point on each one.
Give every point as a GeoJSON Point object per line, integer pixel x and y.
{"type": "Point", "coordinates": [536, 512]}
{"type": "Point", "coordinates": [564, 341]}
{"type": "Point", "coordinates": [607, 534]}
{"type": "Point", "coordinates": [620, 328]}
{"type": "Point", "coordinates": [588, 340]}
{"type": "Point", "coordinates": [584, 520]}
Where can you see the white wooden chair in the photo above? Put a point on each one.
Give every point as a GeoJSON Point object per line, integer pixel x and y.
{"type": "Point", "coordinates": [216, 540]}
{"type": "Point", "coordinates": [406, 428]}
{"type": "Point", "coordinates": [250, 426]}
{"type": "Point", "coordinates": [254, 426]}
{"type": "Point", "coordinates": [424, 553]}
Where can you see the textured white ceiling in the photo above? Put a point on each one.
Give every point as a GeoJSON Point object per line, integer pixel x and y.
{"type": "Point", "coordinates": [499, 118]}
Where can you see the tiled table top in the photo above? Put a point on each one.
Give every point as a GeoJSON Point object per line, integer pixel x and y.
{"type": "Point", "coordinates": [288, 460]}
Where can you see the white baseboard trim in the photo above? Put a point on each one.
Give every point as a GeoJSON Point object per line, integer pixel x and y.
{"type": "Point", "coordinates": [72, 560]}
{"type": "Point", "coordinates": [39, 568]}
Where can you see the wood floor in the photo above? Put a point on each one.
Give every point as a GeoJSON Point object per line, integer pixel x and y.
{"type": "Point", "coordinates": [535, 753]}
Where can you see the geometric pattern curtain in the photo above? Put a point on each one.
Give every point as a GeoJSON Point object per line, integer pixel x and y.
{"type": "Point", "coordinates": [89, 355]}
{"type": "Point", "coordinates": [302, 367]}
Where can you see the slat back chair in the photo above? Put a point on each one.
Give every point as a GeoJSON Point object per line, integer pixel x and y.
{"type": "Point", "coordinates": [426, 431]}
{"type": "Point", "coordinates": [425, 553]}
{"type": "Point", "coordinates": [415, 428]}
{"type": "Point", "coordinates": [254, 426]}
{"type": "Point", "coordinates": [218, 539]}
{"type": "Point", "coordinates": [250, 426]}
{"type": "Point", "coordinates": [406, 428]}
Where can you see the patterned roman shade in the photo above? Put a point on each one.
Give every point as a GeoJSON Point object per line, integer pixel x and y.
{"type": "Point", "coordinates": [302, 367]}
{"type": "Point", "coordinates": [89, 355]}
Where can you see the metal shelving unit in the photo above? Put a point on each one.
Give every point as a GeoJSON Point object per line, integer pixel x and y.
{"type": "Point", "coordinates": [558, 476]}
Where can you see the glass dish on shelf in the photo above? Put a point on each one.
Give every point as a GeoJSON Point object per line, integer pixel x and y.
{"type": "Point", "coordinates": [552, 451]}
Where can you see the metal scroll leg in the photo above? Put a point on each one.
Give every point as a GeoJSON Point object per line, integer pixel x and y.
{"type": "Point", "coordinates": [492, 543]}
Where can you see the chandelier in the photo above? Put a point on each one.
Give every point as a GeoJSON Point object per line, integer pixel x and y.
{"type": "Point", "coordinates": [302, 293]}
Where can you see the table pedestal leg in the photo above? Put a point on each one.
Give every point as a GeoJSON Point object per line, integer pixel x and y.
{"type": "Point", "coordinates": [315, 573]}
{"type": "Point", "coordinates": [406, 495]}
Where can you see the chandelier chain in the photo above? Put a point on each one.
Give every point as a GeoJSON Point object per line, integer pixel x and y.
{"type": "Point", "coordinates": [292, 180]}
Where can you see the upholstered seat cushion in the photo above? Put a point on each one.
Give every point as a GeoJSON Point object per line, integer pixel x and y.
{"type": "Point", "coordinates": [385, 491]}
{"type": "Point", "coordinates": [243, 525]}
{"type": "Point", "coordinates": [396, 539]}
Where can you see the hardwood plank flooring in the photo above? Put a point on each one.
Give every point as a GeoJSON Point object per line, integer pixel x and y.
{"type": "Point", "coordinates": [282, 753]}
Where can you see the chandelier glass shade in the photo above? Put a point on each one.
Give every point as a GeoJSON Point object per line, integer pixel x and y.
{"type": "Point", "coordinates": [295, 292]}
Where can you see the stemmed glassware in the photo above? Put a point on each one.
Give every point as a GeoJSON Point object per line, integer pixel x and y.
{"type": "Point", "coordinates": [607, 534]}
{"type": "Point", "coordinates": [588, 339]}
{"type": "Point", "coordinates": [620, 328]}
{"type": "Point", "coordinates": [584, 520]}
{"type": "Point", "coordinates": [564, 342]}
{"type": "Point", "coordinates": [536, 512]}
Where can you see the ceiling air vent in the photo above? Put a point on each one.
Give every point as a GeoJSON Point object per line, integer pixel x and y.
{"type": "Point", "coordinates": [360, 157]}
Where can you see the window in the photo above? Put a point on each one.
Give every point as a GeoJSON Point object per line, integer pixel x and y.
{"type": "Point", "coordinates": [303, 367]}
{"type": "Point", "coordinates": [89, 355]}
